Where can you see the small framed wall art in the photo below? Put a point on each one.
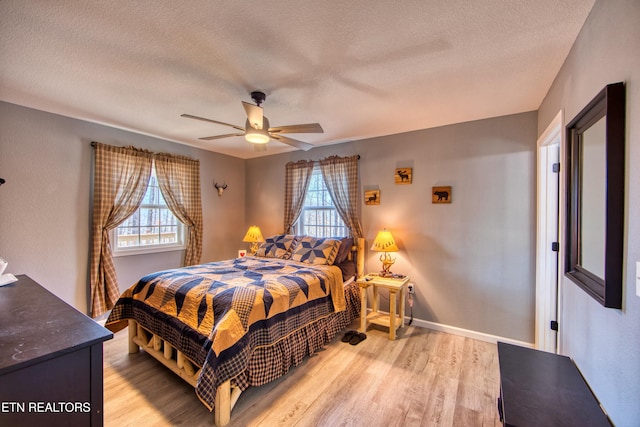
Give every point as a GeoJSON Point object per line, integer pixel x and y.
{"type": "Point", "coordinates": [441, 194]}
{"type": "Point", "coordinates": [403, 175]}
{"type": "Point", "coordinates": [372, 197]}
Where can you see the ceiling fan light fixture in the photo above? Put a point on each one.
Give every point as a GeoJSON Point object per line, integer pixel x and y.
{"type": "Point", "coordinates": [257, 131]}
{"type": "Point", "coordinates": [257, 136]}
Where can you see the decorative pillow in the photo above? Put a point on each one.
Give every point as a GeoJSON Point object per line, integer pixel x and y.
{"type": "Point", "coordinates": [346, 244]}
{"type": "Point", "coordinates": [279, 246]}
{"type": "Point", "coordinates": [313, 250]}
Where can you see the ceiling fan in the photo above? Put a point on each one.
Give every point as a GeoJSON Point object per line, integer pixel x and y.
{"type": "Point", "coordinates": [257, 130]}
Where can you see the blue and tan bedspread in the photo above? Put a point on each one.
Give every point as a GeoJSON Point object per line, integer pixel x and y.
{"type": "Point", "coordinates": [219, 313]}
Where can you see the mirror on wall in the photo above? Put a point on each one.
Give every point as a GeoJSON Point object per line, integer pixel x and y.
{"type": "Point", "coordinates": [595, 196]}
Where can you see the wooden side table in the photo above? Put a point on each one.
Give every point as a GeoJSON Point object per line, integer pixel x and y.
{"type": "Point", "coordinates": [395, 286]}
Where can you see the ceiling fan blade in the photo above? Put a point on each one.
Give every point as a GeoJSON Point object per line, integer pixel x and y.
{"type": "Point", "coordinates": [189, 116]}
{"type": "Point", "coordinates": [293, 142]}
{"type": "Point", "coordinates": [306, 128]}
{"type": "Point", "coordinates": [209, 138]}
{"type": "Point", "coordinates": [254, 114]}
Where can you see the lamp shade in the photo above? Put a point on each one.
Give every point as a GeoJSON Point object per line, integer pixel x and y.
{"type": "Point", "coordinates": [384, 242]}
{"type": "Point", "coordinates": [253, 235]}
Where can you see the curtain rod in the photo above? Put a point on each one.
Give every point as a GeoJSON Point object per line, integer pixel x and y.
{"type": "Point", "coordinates": [93, 144]}
{"type": "Point", "coordinates": [318, 161]}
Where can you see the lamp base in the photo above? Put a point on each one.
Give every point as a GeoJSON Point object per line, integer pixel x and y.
{"type": "Point", "coordinates": [253, 249]}
{"type": "Point", "coordinates": [387, 262]}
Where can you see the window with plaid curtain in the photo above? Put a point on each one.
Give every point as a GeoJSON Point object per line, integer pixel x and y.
{"type": "Point", "coordinates": [341, 178]}
{"type": "Point", "coordinates": [121, 176]}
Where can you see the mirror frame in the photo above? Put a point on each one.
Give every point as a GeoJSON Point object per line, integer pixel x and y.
{"type": "Point", "coordinates": [610, 104]}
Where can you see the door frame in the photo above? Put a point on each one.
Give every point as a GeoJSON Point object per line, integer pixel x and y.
{"type": "Point", "coordinates": [549, 151]}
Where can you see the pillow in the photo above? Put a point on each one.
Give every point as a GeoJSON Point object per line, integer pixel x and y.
{"type": "Point", "coordinates": [313, 250]}
{"type": "Point", "coordinates": [279, 246]}
{"type": "Point", "coordinates": [348, 268]}
{"type": "Point", "coordinates": [346, 244]}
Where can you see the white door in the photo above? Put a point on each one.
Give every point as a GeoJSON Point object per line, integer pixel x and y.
{"type": "Point", "coordinates": [549, 146]}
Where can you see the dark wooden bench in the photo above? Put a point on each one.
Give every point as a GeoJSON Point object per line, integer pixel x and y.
{"type": "Point", "coordinates": [544, 389]}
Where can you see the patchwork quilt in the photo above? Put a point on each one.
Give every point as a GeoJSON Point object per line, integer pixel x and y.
{"type": "Point", "coordinates": [219, 313]}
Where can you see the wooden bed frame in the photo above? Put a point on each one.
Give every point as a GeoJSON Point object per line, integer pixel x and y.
{"type": "Point", "coordinates": [158, 348]}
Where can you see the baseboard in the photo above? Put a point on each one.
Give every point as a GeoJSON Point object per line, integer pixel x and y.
{"type": "Point", "coordinates": [480, 336]}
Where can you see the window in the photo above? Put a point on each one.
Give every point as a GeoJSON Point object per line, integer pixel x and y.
{"type": "Point", "coordinates": [319, 217]}
{"type": "Point", "coordinates": [152, 228]}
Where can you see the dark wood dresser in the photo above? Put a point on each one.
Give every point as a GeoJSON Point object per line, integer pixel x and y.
{"type": "Point", "coordinates": [50, 360]}
{"type": "Point", "coordinates": [544, 389]}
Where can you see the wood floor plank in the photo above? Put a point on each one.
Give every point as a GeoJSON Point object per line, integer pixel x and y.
{"type": "Point", "coordinates": [424, 378]}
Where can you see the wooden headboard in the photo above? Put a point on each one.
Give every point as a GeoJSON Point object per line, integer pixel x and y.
{"type": "Point", "coordinates": [358, 251]}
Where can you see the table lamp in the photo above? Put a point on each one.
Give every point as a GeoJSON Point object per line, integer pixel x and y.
{"type": "Point", "coordinates": [384, 242]}
{"type": "Point", "coordinates": [253, 236]}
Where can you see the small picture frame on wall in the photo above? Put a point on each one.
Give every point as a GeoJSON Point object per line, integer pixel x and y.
{"type": "Point", "coordinates": [372, 197]}
{"type": "Point", "coordinates": [441, 194]}
{"type": "Point", "coordinates": [242, 253]}
{"type": "Point", "coordinates": [403, 175]}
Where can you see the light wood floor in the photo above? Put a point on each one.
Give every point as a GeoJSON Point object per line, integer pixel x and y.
{"type": "Point", "coordinates": [424, 378]}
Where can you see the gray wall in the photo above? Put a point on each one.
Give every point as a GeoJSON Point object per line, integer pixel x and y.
{"type": "Point", "coordinates": [472, 261]}
{"type": "Point", "coordinates": [605, 343]}
{"type": "Point", "coordinates": [44, 205]}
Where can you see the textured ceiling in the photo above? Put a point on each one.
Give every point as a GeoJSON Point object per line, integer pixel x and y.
{"type": "Point", "coordinates": [360, 68]}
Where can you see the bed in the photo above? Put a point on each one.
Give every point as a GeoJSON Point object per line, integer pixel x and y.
{"type": "Point", "coordinates": [228, 325]}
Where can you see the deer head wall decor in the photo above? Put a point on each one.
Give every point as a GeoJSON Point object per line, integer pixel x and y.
{"type": "Point", "coordinates": [220, 188]}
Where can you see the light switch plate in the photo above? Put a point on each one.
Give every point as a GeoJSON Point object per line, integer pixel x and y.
{"type": "Point", "coordinates": [638, 278]}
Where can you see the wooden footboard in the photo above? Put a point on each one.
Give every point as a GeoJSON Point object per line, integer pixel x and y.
{"type": "Point", "coordinates": [165, 353]}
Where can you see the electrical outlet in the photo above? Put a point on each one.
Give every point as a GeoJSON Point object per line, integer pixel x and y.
{"type": "Point", "coordinates": [410, 288]}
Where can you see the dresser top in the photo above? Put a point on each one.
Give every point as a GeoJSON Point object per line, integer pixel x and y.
{"type": "Point", "coordinates": [35, 325]}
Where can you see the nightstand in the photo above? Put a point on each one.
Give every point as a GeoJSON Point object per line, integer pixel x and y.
{"type": "Point", "coordinates": [395, 286]}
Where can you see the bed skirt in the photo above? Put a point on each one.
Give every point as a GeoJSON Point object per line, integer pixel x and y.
{"type": "Point", "coordinates": [265, 363]}
{"type": "Point", "coordinates": [271, 362]}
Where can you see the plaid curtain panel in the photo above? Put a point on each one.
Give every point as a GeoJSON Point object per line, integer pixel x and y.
{"type": "Point", "coordinates": [121, 176]}
{"type": "Point", "coordinates": [341, 178]}
{"type": "Point", "coordinates": [179, 181]}
{"type": "Point", "coordinates": [297, 177]}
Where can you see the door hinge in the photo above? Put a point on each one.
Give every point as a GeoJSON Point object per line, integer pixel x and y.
{"type": "Point", "coordinates": [555, 167]}
{"type": "Point", "coordinates": [555, 246]}
{"type": "Point", "coordinates": [554, 325]}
